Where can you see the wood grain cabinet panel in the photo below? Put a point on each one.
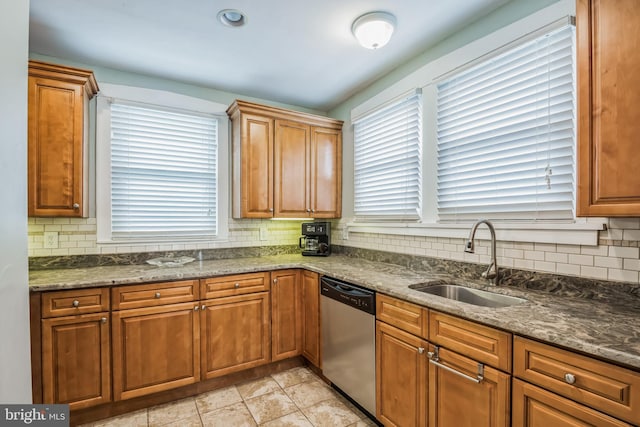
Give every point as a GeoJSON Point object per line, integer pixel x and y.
{"type": "Point", "coordinates": [138, 296]}
{"type": "Point", "coordinates": [286, 314]}
{"type": "Point", "coordinates": [401, 377]}
{"type": "Point", "coordinates": [74, 301]}
{"type": "Point", "coordinates": [535, 407]}
{"type": "Point", "coordinates": [57, 137]}
{"type": "Point", "coordinates": [235, 284]}
{"type": "Point", "coordinates": [482, 343]}
{"type": "Point", "coordinates": [600, 385]}
{"type": "Point", "coordinates": [608, 100]}
{"type": "Point", "coordinates": [236, 334]}
{"type": "Point", "coordinates": [155, 349]}
{"type": "Point", "coordinates": [458, 401]}
{"type": "Point", "coordinates": [76, 360]}
{"type": "Point", "coordinates": [286, 164]}
{"type": "Point", "coordinates": [404, 315]}
{"type": "Point", "coordinates": [311, 347]}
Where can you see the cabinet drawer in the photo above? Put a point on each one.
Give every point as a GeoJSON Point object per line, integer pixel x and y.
{"type": "Point", "coordinates": [236, 284]}
{"type": "Point", "coordinates": [600, 385]}
{"type": "Point", "coordinates": [137, 296]}
{"type": "Point", "coordinates": [482, 343]}
{"type": "Point", "coordinates": [409, 317]}
{"type": "Point", "coordinates": [76, 301]}
{"type": "Point", "coordinates": [535, 407]}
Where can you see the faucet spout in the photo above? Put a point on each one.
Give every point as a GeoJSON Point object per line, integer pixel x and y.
{"type": "Point", "coordinates": [492, 271]}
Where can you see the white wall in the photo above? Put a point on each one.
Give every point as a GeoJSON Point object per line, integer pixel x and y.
{"type": "Point", "coordinates": [15, 371]}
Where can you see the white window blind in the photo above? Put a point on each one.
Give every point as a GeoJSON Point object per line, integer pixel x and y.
{"type": "Point", "coordinates": [163, 172]}
{"type": "Point", "coordinates": [506, 135]}
{"type": "Point", "coordinates": [388, 158]}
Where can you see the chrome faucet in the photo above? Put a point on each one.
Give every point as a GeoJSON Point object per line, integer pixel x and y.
{"type": "Point", "coordinates": [492, 271]}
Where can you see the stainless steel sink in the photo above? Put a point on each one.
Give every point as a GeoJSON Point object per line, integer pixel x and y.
{"type": "Point", "coordinates": [467, 295]}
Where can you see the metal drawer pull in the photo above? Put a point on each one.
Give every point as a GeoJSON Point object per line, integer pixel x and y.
{"type": "Point", "coordinates": [434, 359]}
{"type": "Point", "coordinates": [157, 295]}
{"type": "Point", "coordinates": [570, 378]}
{"type": "Point", "coordinates": [237, 285]}
{"type": "Point", "coordinates": [76, 303]}
{"type": "Point", "coordinates": [103, 320]}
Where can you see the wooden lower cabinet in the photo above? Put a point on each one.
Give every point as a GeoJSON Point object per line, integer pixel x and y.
{"type": "Point", "coordinates": [458, 401]}
{"type": "Point", "coordinates": [286, 314]}
{"type": "Point", "coordinates": [311, 317]}
{"type": "Point", "coordinates": [76, 365]}
{"type": "Point", "coordinates": [535, 407]}
{"type": "Point", "coordinates": [155, 349]}
{"type": "Point", "coordinates": [401, 377]}
{"type": "Point", "coordinates": [235, 334]}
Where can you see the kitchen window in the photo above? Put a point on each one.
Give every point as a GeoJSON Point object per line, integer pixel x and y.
{"type": "Point", "coordinates": [388, 161]}
{"type": "Point", "coordinates": [506, 135]}
{"type": "Point", "coordinates": [157, 172]}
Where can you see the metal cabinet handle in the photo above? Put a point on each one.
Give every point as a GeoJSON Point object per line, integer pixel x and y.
{"type": "Point", "coordinates": [103, 320]}
{"type": "Point", "coordinates": [420, 350]}
{"type": "Point", "coordinates": [570, 378]}
{"type": "Point", "coordinates": [237, 285]}
{"type": "Point", "coordinates": [196, 308]}
{"type": "Point", "coordinates": [434, 359]}
{"type": "Point", "coordinates": [275, 281]}
{"type": "Point", "coordinates": [76, 303]}
{"type": "Point", "coordinates": [76, 206]}
{"type": "Point", "coordinates": [157, 295]}
{"type": "Point", "coordinates": [308, 210]}
{"type": "Point", "coordinates": [270, 209]}
{"type": "Point", "coordinates": [203, 307]}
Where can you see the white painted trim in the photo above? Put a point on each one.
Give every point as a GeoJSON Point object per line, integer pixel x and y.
{"type": "Point", "coordinates": [103, 149]}
{"type": "Point", "coordinates": [575, 233]}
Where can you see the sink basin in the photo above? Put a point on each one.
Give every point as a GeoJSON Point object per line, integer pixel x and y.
{"type": "Point", "coordinates": [468, 295]}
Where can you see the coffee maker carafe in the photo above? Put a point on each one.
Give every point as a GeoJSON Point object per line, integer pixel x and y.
{"type": "Point", "coordinates": [315, 239]}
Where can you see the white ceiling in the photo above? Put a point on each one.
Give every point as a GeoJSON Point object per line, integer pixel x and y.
{"type": "Point", "coordinates": [299, 52]}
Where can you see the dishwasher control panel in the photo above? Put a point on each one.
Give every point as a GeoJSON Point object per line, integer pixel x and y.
{"type": "Point", "coordinates": [351, 295]}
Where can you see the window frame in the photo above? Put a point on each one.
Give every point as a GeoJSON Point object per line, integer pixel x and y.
{"type": "Point", "coordinates": [167, 100]}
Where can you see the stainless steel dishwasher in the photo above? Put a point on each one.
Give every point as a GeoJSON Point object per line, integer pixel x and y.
{"type": "Point", "coordinates": [349, 340]}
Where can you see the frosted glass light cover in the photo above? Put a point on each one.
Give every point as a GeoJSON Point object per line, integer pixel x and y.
{"type": "Point", "coordinates": [374, 30]}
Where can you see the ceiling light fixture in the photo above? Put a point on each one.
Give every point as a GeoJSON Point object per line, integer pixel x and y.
{"type": "Point", "coordinates": [373, 30]}
{"type": "Point", "coordinates": [232, 18]}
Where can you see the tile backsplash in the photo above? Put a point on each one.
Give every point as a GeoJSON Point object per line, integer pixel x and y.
{"type": "Point", "coordinates": [617, 256]}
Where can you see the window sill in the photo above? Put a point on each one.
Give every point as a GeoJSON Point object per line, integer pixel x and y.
{"type": "Point", "coordinates": [575, 233]}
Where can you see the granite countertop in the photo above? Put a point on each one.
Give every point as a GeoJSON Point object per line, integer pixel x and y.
{"type": "Point", "coordinates": [606, 326]}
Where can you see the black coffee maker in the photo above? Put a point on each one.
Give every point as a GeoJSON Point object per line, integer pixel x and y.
{"type": "Point", "coordinates": [315, 240]}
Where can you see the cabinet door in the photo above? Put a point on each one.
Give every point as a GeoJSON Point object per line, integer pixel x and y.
{"type": "Point", "coordinates": [459, 401]}
{"type": "Point", "coordinates": [236, 334]}
{"type": "Point", "coordinates": [155, 349]}
{"type": "Point", "coordinates": [535, 407]}
{"type": "Point", "coordinates": [608, 95]}
{"type": "Point", "coordinates": [401, 377]}
{"type": "Point", "coordinates": [286, 314]}
{"type": "Point", "coordinates": [56, 139]}
{"type": "Point", "coordinates": [76, 360]}
{"type": "Point", "coordinates": [311, 317]}
{"type": "Point", "coordinates": [326, 173]}
{"type": "Point", "coordinates": [256, 167]}
{"type": "Point", "coordinates": [291, 197]}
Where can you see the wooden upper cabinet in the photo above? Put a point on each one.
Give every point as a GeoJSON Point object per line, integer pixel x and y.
{"type": "Point", "coordinates": [286, 164]}
{"type": "Point", "coordinates": [291, 170]}
{"type": "Point", "coordinates": [608, 101]}
{"type": "Point", "coordinates": [326, 177]}
{"type": "Point", "coordinates": [58, 133]}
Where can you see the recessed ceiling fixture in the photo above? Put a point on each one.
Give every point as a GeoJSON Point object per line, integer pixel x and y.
{"type": "Point", "coordinates": [373, 30]}
{"type": "Point", "coordinates": [232, 18]}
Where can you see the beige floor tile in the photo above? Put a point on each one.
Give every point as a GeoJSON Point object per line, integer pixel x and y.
{"type": "Point", "coordinates": [309, 393]}
{"type": "Point", "coordinates": [270, 406]}
{"type": "Point", "coordinates": [133, 419]}
{"type": "Point", "coordinates": [217, 399]}
{"type": "Point", "coordinates": [172, 412]}
{"type": "Point", "coordinates": [330, 413]}
{"type": "Point", "coordinates": [365, 422]}
{"type": "Point", "coordinates": [193, 421]}
{"type": "Point", "coordinates": [257, 387]}
{"type": "Point", "coordinates": [296, 419]}
{"type": "Point", "coordinates": [236, 415]}
{"type": "Point", "coordinates": [294, 376]}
